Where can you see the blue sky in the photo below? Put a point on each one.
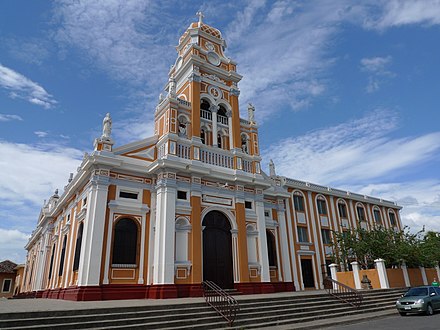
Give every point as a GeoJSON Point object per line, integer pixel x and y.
{"type": "Point", "coordinates": [346, 93]}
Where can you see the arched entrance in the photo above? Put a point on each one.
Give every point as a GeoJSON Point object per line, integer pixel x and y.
{"type": "Point", "coordinates": [217, 250]}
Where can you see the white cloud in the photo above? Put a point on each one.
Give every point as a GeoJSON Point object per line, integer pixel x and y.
{"type": "Point", "coordinates": [420, 200]}
{"type": "Point", "coordinates": [353, 152]}
{"type": "Point", "coordinates": [376, 64]}
{"type": "Point", "coordinates": [376, 67]}
{"type": "Point", "coordinates": [12, 245]}
{"type": "Point", "coordinates": [41, 134]}
{"type": "Point", "coordinates": [128, 40]}
{"type": "Point", "coordinates": [34, 171]}
{"type": "Point", "coordinates": [395, 13]}
{"type": "Point", "coordinates": [22, 87]}
{"type": "Point", "coordinates": [4, 117]}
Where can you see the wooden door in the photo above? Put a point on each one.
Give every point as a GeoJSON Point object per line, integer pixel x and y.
{"type": "Point", "coordinates": [217, 250]}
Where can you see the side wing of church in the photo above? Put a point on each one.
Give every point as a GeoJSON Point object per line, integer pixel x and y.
{"type": "Point", "coordinates": [154, 218]}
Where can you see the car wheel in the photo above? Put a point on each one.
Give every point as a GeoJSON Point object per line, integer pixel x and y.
{"type": "Point", "coordinates": [429, 310]}
{"type": "Point", "coordinates": [402, 313]}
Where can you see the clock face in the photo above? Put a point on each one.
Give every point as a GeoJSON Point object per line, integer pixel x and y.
{"type": "Point", "coordinates": [213, 58]}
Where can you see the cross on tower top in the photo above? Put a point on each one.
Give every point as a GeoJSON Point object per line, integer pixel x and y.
{"type": "Point", "coordinates": [200, 14]}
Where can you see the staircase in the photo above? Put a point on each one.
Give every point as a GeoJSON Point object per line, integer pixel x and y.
{"type": "Point", "coordinates": [255, 312]}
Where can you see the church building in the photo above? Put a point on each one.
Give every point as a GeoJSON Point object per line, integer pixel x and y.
{"type": "Point", "coordinates": [156, 217]}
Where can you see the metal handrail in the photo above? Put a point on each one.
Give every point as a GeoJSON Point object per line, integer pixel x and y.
{"type": "Point", "coordinates": [221, 301]}
{"type": "Point", "coordinates": [343, 292]}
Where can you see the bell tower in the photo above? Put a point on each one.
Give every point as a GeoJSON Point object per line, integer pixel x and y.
{"type": "Point", "coordinates": [198, 118]}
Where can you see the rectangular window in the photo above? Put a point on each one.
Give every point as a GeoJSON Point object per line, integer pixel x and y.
{"type": "Point", "coordinates": [68, 217]}
{"type": "Point", "coordinates": [326, 238]}
{"type": "Point", "coordinates": [248, 205]}
{"type": "Point", "coordinates": [342, 210]}
{"type": "Point", "coordinates": [129, 195]}
{"type": "Point", "coordinates": [322, 207]}
{"type": "Point", "coordinates": [361, 213]}
{"type": "Point", "coordinates": [266, 214]}
{"type": "Point", "coordinates": [377, 216]}
{"type": "Point", "coordinates": [298, 201]}
{"type": "Point", "coordinates": [392, 219]}
{"type": "Point", "coordinates": [6, 285]}
{"type": "Point", "coordinates": [84, 201]}
{"type": "Point", "coordinates": [302, 235]}
{"type": "Point", "coordinates": [181, 194]}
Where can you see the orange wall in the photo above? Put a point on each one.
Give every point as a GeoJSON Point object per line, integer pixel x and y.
{"type": "Point", "coordinates": [415, 276]}
{"type": "Point", "coordinates": [431, 274]}
{"type": "Point", "coordinates": [346, 278]}
{"type": "Point", "coordinates": [372, 275]}
{"type": "Point", "coordinates": [4, 276]}
{"type": "Point", "coordinates": [395, 278]}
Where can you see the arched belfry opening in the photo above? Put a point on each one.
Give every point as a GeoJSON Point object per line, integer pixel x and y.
{"type": "Point", "coordinates": [217, 250]}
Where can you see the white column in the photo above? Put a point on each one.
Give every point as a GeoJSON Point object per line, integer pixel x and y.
{"type": "Point", "coordinates": [42, 262]}
{"type": "Point", "coordinates": [151, 242]}
{"type": "Point", "coordinates": [334, 274]}
{"type": "Point", "coordinates": [423, 272]}
{"type": "Point", "coordinates": [405, 275]}
{"type": "Point", "coordinates": [333, 213]}
{"type": "Point", "coordinates": [385, 218]}
{"type": "Point", "coordinates": [353, 214]}
{"type": "Point", "coordinates": [382, 272]}
{"type": "Point", "coordinates": [70, 252]}
{"type": "Point", "coordinates": [262, 246]}
{"type": "Point", "coordinates": [165, 229]}
{"type": "Point", "coordinates": [142, 251]}
{"type": "Point", "coordinates": [106, 278]}
{"type": "Point", "coordinates": [370, 216]}
{"type": "Point", "coordinates": [315, 238]}
{"type": "Point", "coordinates": [55, 265]}
{"type": "Point", "coordinates": [292, 246]}
{"type": "Point", "coordinates": [278, 253]}
{"type": "Point", "coordinates": [231, 138]}
{"type": "Point", "coordinates": [235, 261]}
{"type": "Point", "coordinates": [437, 269]}
{"type": "Point", "coordinates": [284, 244]}
{"type": "Point", "coordinates": [214, 109]}
{"type": "Point", "coordinates": [90, 261]}
{"type": "Point", "coordinates": [357, 281]}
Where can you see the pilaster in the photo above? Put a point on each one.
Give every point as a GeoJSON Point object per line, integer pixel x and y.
{"type": "Point", "coordinates": [284, 243]}
{"type": "Point", "coordinates": [91, 255]}
{"type": "Point", "coordinates": [163, 272]}
{"type": "Point", "coordinates": [262, 246]}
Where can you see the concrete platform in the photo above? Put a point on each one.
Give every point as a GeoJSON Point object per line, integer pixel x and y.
{"type": "Point", "coordinates": [43, 304]}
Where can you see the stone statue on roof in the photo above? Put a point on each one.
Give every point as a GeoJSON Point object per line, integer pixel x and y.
{"type": "Point", "coordinates": [106, 127]}
{"type": "Point", "coordinates": [272, 169]}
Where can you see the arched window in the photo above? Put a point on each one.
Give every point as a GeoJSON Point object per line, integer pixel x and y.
{"type": "Point", "coordinates": [361, 212]}
{"type": "Point", "coordinates": [125, 242]}
{"type": "Point", "coordinates": [202, 136]}
{"type": "Point", "coordinates": [63, 254]}
{"type": "Point", "coordinates": [219, 141]}
{"type": "Point", "coordinates": [271, 249]}
{"type": "Point", "coordinates": [204, 105]}
{"type": "Point", "coordinates": [244, 143]}
{"type": "Point", "coordinates": [322, 206]}
{"type": "Point", "coordinates": [221, 111]}
{"type": "Point", "coordinates": [392, 218]}
{"type": "Point", "coordinates": [78, 247]}
{"type": "Point", "coordinates": [377, 216]}
{"type": "Point", "coordinates": [51, 261]}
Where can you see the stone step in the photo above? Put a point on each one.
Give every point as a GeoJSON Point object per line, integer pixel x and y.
{"type": "Point", "coordinates": [264, 311]}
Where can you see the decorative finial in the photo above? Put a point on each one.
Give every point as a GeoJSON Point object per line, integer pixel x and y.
{"type": "Point", "coordinates": [200, 14]}
{"type": "Point", "coordinates": [251, 111]}
{"type": "Point", "coordinates": [56, 192]}
{"type": "Point", "coordinates": [272, 169]}
{"type": "Point", "coordinates": [172, 86]}
{"type": "Point", "coordinates": [70, 177]}
{"type": "Point", "coordinates": [106, 127]}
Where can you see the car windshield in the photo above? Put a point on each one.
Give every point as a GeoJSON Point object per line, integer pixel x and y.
{"type": "Point", "coordinates": [417, 292]}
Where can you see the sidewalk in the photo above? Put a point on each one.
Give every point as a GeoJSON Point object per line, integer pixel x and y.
{"type": "Point", "coordinates": [43, 304]}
